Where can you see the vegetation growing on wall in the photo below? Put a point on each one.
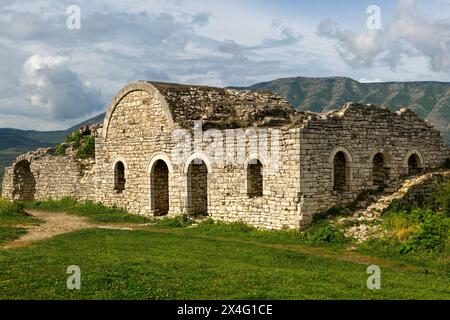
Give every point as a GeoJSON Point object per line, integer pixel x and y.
{"type": "Point", "coordinates": [83, 145]}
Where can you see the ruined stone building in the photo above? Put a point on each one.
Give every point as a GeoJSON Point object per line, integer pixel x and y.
{"type": "Point", "coordinates": [149, 160]}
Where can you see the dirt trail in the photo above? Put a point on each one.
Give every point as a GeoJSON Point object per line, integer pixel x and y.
{"type": "Point", "coordinates": [56, 223]}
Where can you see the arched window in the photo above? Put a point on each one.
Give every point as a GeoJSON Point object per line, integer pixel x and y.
{"type": "Point", "coordinates": [197, 187]}
{"type": "Point", "coordinates": [413, 164]}
{"type": "Point", "coordinates": [379, 170]}
{"type": "Point", "coordinates": [119, 177]}
{"type": "Point", "coordinates": [24, 183]}
{"type": "Point", "coordinates": [160, 188]}
{"type": "Point", "coordinates": [255, 179]}
{"type": "Point", "coordinates": [340, 172]}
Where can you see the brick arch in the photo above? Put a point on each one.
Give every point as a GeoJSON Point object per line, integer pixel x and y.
{"type": "Point", "coordinates": [343, 149]}
{"type": "Point", "coordinates": [252, 160]}
{"type": "Point", "coordinates": [197, 155]}
{"type": "Point", "coordinates": [418, 156]}
{"type": "Point", "coordinates": [197, 178]}
{"type": "Point", "coordinates": [347, 169]}
{"type": "Point", "coordinates": [386, 155]}
{"type": "Point", "coordinates": [135, 86]}
{"type": "Point", "coordinates": [379, 166]}
{"type": "Point", "coordinates": [160, 183]}
{"type": "Point", "coordinates": [115, 181]}
{"type": "Point", "coordinates": [159, 156]}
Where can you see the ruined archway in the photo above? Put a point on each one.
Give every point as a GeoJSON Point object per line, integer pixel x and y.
{"type": "Point", "coordinates": [160, 188]}
{"type": "Point", "coordinates": [413, 164]}
{"type": "Point", "coordinates": [255, 179]}
{"type": "Point", "coordinates": [24, 183]}
{"type": "Point", "coordinates": [197, 187]}
{"type": "Point", "coordinates": [379, 171]}
{"type": "Point", "coordinates": [340, 172]}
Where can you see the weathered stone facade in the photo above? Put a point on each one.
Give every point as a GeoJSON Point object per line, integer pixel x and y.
{"type": "Point", "coordinates": [302, 162]}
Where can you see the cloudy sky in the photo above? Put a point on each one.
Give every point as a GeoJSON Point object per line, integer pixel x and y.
{"type": "Point", "coordinates": [53, 76]}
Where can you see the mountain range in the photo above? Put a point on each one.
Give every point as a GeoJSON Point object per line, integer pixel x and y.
{"type": "Point", "coordinates": [430, 100]}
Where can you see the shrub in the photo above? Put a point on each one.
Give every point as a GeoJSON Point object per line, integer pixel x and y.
{"type": "Point", "coordinates": [60, 149]}
{"type": "Point", "coordinates": [401, 225]}
{"type": "Point", "coordinates": [87, 148]}
{"type": "Point", "coordinates": [437, 198]}
{"type": "Point", "coordinates": [324, 232]}
{"type": "Point", "coordinates": [430, 236]}
{"type": "Point", "coordinates": [84, 145]}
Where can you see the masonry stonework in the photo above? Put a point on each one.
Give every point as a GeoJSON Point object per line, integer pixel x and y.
{"type": "Point", "coordinates": [149, 160]}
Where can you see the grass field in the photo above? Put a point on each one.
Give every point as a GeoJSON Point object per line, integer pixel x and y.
{"type": "Point", "coordinates": [169, 260]}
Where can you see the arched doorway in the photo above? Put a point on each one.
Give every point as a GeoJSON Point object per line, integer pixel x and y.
{"type": "Point", "coordinates": [413, 164]}
{"type": "Point", "coordinates": [24, 183]}
{"type": "Point", "coordinates": [255, 179]}
{"type": "Point", "coordinates": [379, 171]}
{"type": "Point", "coordinates": [340, 172]}
{"type": "Point", "coordinates": [197, 187]}
{"type": "Point", "coordinates": [160, 188]}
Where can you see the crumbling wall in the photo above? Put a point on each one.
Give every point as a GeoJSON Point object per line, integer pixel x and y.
{"type": "Point", "coordinates": [53, 177]}
{"type": "Point", "coordinates": [363, 133]}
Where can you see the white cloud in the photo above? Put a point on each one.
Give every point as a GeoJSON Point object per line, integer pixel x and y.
{"type": "Point", "coordinates": [410, 33]}
{"type": "Point", "coordinates": [57, 90]}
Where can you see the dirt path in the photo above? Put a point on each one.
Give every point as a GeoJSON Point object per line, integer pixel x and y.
{"type": "Point", "coordinates": [56, 223]}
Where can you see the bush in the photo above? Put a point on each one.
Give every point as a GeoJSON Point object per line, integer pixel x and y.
{"type": "Point", "coordinates": [430, 236]}
{"type": "Point", "coordinates": [401, 225]}
{"type": "Point", "coordinates": [84, 145]}
{"type": "Point", "coordinates": [417, 230]}
{"type": "Point", "coordinates": [60, 149]}
{"type": "Point", "coordinates": [324, 232]}
{"type": "Point", "coordinates": [437, 198]}
{"type": "Point", "coordinates": [87, 148]}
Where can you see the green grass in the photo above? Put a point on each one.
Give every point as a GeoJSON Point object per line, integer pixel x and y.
{"type": "Point", "coordinates": [12, 221]}
{"type": "Point", "coordinates": [318, 234]}
{"type": "Point", "coordinates": [160, 263]}
{"type": "Point", "coordinates": [95, 212]}
{"type": "Point", "coordinates": [172, 259]}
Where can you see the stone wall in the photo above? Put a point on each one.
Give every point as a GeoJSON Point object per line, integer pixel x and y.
{"type": "Point", "coordinates": [364, 135]}
{"type": "Point", "coordinates": [42, 175]}
{"type": "Point", "coordinates": [140, 135]}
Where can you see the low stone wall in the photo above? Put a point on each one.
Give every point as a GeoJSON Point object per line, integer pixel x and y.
{"type": "Point", "coordinates": [41, 175]}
